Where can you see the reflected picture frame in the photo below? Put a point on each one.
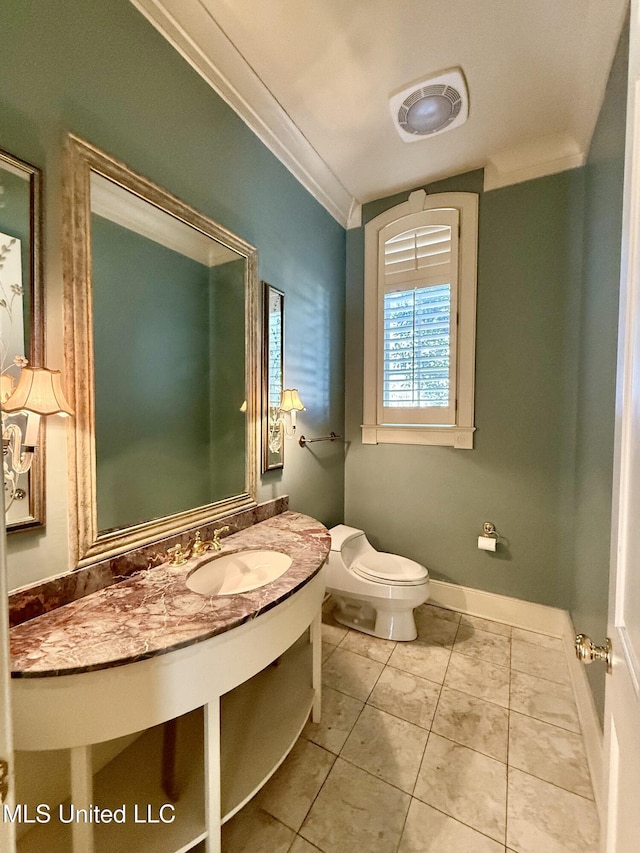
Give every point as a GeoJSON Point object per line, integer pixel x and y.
{"type": "Point", "coordinates": [29, 510]}
{"type": "Point", "coordinates": [272, 377]}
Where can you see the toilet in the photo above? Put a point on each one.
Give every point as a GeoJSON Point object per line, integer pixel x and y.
{"type": "Point", "coordinates": [374, 592]}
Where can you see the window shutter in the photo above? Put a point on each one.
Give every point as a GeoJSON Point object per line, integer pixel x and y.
{"type": "Point", "coordinates": [416, 347]}
{"type": "Point", "coordinates": [427, 249]}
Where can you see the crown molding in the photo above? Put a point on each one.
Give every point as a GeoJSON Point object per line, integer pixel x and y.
{"type": "Point", "coordinates": [197, 37]}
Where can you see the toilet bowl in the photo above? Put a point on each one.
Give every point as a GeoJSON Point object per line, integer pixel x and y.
{"type": "Point", "coordinates": [374, 592]}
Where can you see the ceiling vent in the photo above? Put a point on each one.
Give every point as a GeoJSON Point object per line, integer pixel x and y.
{"type": "Point", "coordinates": [431, 106]}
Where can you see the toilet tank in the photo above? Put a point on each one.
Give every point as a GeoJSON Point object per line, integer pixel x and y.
{"type": "Point", "coordinates": [349, 542]}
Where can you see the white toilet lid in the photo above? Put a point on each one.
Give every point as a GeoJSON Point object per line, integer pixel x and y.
{"type": "Point", "coordinates": [390, 567]}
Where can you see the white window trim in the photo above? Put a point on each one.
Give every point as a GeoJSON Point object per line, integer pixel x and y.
{"type": "Point", "coordinates": [459, 434]}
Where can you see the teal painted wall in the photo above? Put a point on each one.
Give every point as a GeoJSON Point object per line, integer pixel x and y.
{"type": "Point", "coordinates": [103, 72]}
{"type": "Point", "coordinates": [604, 176]}
{"type": "Point", "coordinates": [429, 502]}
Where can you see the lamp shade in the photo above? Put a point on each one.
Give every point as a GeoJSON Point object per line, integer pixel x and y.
{"type": "Point", "coordinates": [38, 390]}
{"type": "Point", "coordinates": [6, 387]}
{"type": "Point", "coordinates": [290, 401]}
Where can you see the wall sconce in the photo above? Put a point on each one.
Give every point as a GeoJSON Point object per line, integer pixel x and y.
{"type": "Point", "coordinates": [290, 403]}
{"type": "Point", "coordinates": [38, 394]}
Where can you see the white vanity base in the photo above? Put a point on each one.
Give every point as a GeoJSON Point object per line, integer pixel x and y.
{"type": "Point", "coordinates": [243, 698]}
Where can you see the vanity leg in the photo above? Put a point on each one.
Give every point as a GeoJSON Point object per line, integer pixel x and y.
{"type": "Point", "coordinates": [82, 797]}
{"type": "Point", "coordinates": [169, 742]}
{"type": "Point", "coordinates": [212, 802]}
{"type": "Point", "coordinates": [316, 651]}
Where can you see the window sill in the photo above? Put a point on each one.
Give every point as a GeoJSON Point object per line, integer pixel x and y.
{"type": "Point", "coordinates": [445, 436]}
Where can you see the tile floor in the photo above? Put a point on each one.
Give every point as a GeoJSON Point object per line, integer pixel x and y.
{"type": "Point", "coordinates": [464, 741]}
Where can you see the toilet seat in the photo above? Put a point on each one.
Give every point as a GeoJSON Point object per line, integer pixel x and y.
{"type": "Point", "coordinates": [390, 569]}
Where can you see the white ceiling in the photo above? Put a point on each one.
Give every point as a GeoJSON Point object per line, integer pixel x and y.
{"type": "Point", "coordinates": [313, 79]}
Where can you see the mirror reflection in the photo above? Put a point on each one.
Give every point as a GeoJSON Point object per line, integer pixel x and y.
{"type": "Point", "coordinates": [168, 343]}
{"type": "Point", "coordinates": [164, 372]}
{"type": "Point", "coordinates": [20, 331]}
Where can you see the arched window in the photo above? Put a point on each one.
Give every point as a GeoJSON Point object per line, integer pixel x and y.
{"type": "Point", "coordinates": [420, 306]}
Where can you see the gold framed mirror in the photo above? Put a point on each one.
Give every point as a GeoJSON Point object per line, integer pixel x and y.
{"type": "Point", "coordinates": [272, 377]}
{"type": "Point", "coordinates": [21, 324]}
{"type": "Point", "coordinates": [162, 314]}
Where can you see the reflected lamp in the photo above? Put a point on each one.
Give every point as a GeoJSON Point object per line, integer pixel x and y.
{"type": "Point", "coordinates": [37, 394]}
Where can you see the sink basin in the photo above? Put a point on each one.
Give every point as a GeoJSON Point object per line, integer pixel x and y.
{"type": "Point", "coordinates": [241, 571]}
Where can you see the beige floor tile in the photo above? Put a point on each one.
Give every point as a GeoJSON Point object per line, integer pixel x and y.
{"type": "Point", "coordinates": [543, 663]}
{"type": "Point", "coordinates": [536, 639]}
{"type": "Point", "coordinates": [387, 747]}
{"type": "Point", "coordinates": [288, 795]}
{"type": "Point", "coordinates": [482, 644]}
{"type": "Point", "coordinates": [478, 622]}
{"type": "Point", "coordinates": [544, 700]}
{"type": "Point", "coordinates": [459, 792]}
{"type": "Point", "coordinates": [430, 831]}
{"type": "Point", "coordinates": [327, 651]}
{"type": "Point", "coordinates": [339, 714]}
{"type": "Point", "coordinates": [351, 674]}
{"type": "Point", "coordinates": [433, 628]}
{"type": "Point", "coordinates": [406, 695]}
{"type": "Point", "coordinates": [354, 811]}
{"type": "Point", "coordinates": [550, 753]}
{"type": "Point", "coordinates": [421, 659]}
{"type": "Point", "coordinates": [475, 723]}
{"type": "Point", "coordinates": [465, 784]}
{"type": "Point", "coordinates": [252, 829]}
{"type": "Point", "coordinates": [479, 678]}
{"type": "Point", "coordinates": [441, 612]}
{"type": "Point", "coordinates": [368, 646]}
{"type": "Point", "coordinates": [300, 845]}
{"type": "Point", "coordinates": [333, 634]}
{"type": "Point", "coordinates": [542, 818]}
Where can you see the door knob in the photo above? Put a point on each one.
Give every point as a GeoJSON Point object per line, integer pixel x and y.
{"type": "Point", "coordinates": [587, 652]}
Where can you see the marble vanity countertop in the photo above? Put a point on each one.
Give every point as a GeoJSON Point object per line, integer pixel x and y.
{"type": "Point", "coordinates": [153, 612]}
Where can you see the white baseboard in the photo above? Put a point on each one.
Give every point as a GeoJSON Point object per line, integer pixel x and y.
{"type": "Point", "coordinates": [588, 715]}
{"type": "Point", "coordinates": [499, 608]}
{"type": "Point", "coordinates": [544, 620]}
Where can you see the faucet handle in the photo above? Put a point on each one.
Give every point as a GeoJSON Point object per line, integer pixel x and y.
{"type": "Point", "coordinates": [177, 555]}
{"type": "Point", "coordinates": [216, 537]}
